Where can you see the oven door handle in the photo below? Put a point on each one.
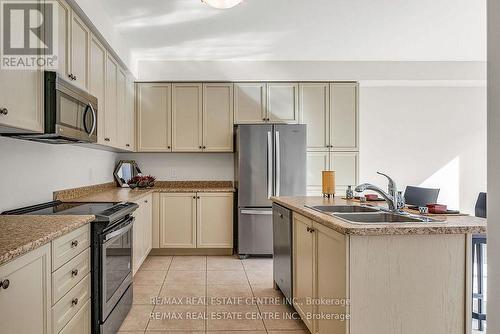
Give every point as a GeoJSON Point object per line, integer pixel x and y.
{"type": "Point", "coordinates": [118, 232]}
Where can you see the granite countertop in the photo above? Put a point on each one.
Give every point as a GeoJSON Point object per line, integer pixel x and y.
{"type": "Point", "coordinates": [116, 194]}
{"type": "Point", "coordinates": [22, 234]}
{"type": "Point", "coordinates": [451, 224]}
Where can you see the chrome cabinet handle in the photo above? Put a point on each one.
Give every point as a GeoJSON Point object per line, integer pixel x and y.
{"type": "Point", "coordinates": [74, 302]}
{"type": "Point", "coordinates": [74, 272]}
{"type": "Point", "coordinates": [4, 111]}
{"type": "Point", "coordinates": [4, 284]}
{"type": "Point", "coordinates": [74, 243]}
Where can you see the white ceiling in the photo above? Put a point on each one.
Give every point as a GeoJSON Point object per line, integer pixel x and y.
{"type": "Point", "coordinates": [393, 30]}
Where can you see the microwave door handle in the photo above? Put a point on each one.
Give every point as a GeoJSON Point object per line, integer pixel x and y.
{"type": "Point", "coordinates": [94, 119]}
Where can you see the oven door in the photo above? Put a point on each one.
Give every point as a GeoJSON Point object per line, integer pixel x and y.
{"type": "Point", "coordinates": [76, 116]}
{"type": "Point", "coordinates": [116, 252]}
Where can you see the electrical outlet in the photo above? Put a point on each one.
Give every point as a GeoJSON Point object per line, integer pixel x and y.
{"type": "Point", "coordinates": [173, 173]}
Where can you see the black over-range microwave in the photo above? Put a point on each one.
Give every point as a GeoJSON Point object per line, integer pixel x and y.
{"type": "Point", "coordinates": [70, 113]}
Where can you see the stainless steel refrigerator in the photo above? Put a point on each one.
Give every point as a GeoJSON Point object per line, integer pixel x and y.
{"type": "Point", "coordinates": [270, 160]}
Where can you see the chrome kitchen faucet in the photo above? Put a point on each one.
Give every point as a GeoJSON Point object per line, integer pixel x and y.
{"type": "Point", "coordinates": [393, 197]}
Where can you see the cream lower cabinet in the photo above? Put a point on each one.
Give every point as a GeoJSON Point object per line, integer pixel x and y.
{"type": "Point", "coordinates": [177, 220]}
{"type": "Point", "coordinates": [196, 220]}
{"type": "Point", "coordinates": [26, 301]}
{"type": "Point", "coordinates": [142, 232]}
{"type": "Point", "coordinates": [214, 217]}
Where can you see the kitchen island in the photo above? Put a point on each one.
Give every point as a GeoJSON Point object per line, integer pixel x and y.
{"type": "Point", "coordinates": [380, 278]}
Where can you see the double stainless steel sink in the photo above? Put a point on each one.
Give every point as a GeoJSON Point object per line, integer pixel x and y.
{"type": "Point", "coordinates": [358, 214]}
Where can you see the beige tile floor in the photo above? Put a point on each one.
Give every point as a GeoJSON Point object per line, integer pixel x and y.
{"type": "Point", "coordinates": [208, 294]}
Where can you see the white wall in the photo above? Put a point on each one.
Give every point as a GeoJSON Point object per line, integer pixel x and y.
{"type": "Point", "coordinates": [432, 135]}
{"type": "Point", "coordinates": [30, 171]}
{"type": "Point", "coordinates": [185, 166]}
{"type": "Point", "coordinates": [493, 165]}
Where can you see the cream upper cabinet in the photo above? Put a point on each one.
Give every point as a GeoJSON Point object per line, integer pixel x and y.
{"type": "Point", "coordinates": [110, 110]}
{"type": "Point", "coordinates": [63, 38]}
{"type": "Point", "coordinates": [121, 110]}
{"type": "Point", "coordinates": [218, 117]}
{"type": "Point", "coordinates": [250, 102]}
{"type": "Point", "coordinates": [154, 117]}
{"type": "Point", "coordinates": [130, 111]}
{"type": "Point", "coordinates": [177, 220]}
{"type": "Point", "coordinates": [314, 111]}
{"type": "Point", "coordinates": [344, 115]}
{"type": "Point", "coordinates": [21, 101]}
{"type": "Point", "coordinates": [26, 301]}
{"type": "Point", "coordinates": [345, 165]}
{"type": "Point", "coordinates": [97, 86]}
{"type": "Point", "coordinates": [282, 102]}
{"type": "Point", "coordinates": [79, 52]}
{"type": "Point", "coordinates": [303, 268]}
{"type": "Point", "coordinates": [187, 117]}
{"type": "Point", "coordinates": [214, 220]}
{"type": "Point", "coordinates": [331, 278]}
{"type": "Point", "coordinates": [316, 163]}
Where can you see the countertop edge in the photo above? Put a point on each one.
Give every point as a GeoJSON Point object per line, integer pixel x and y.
{"type": "Point", "coordinates": [31, 245]}
{"type": "Point", "coordinates": [368, 230]}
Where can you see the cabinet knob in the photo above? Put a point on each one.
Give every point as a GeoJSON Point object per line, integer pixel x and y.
{"type": "Point", "coordinates": [74, 302]}
{"type": "Point", "coordinates": [107, 139]}
{"type": "Point", "coordinates": [198, 197]}
{"type": "Point", "coordinates": [267, 119]}
{"type": "Point", "coordinates": [74, 77]}
{"type": "Point", "coordinates": [145, 201]}
{"type": "Point", "coordinates": [4, 284]}
{"type": "Point", "coordinates": [204, 147]}
{"type": "Point", "coordinates": [194, 197]}
{"type": "Point", "coordinates": [128, 145]}
{"type": "Point", "coordinates": [74, 272]}
{"type": "Point", "coordinates": [264, 119]}
{"type": "Point", "coordinates": [4, 111]}
{"type": "Point", "coordinates": [74, 243]}
{"type": "Point", "coordinates": [280, 215]}
{"type": "Point", "coordinates": [168, 147]}
{"type": "Point", "coordinates": [200, 147]}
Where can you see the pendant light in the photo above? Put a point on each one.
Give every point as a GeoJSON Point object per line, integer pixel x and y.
{"type": "Point", "coordinates": [222, 4]}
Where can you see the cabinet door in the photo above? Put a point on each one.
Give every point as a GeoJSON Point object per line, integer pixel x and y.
{"type": "Point", "coordinates": [25, 304]}
{"type": "Point", "coordinates": [344, 115]}
{"type": "Point", "coordinates": [215, 220]}
{"type": "Point", "coordinates": [282, 102]}
{"type": "Point", "coordinates": [331, 278]}
{"type": "Point", "coordinates": [345, 165]}
{"type": "Point", "coordinates": [218, 117]}
{"type": "Point", "coordinates": [121, 111]}
{"type": "Point", "coordinates": [178, 220]}
{"type": "Point", "coordinates": [137, 239]}
{"type": "Point", "coordinates": [130, 118]}
{"type": "Point", "coordinates": [250, 102]}
{"type": "Point", "coordinates": [21, 101]}
{"type": "Point", "coordinates": [79, 52]}
{"type": "Point", "coordinates": [314, 111]}
{"type": "Point", "coordinates": [63, 38]}
{"type": "Point", "coordinates": [186, 117]}
{"type": "Point", "coordinates": [316, 163]}
{"type": "Point", "coordinates": [110, 114]}
{"type": "Point", "coordinates": [147, 217]}
{"type": "Point", "coordinates": [154, 117]}
{"type": "Point", "coordinates": [80, 323]}
{"type": "Point", "coordinates": [303, 268]}
{"type": "Point", "coordinates": [97, 86]}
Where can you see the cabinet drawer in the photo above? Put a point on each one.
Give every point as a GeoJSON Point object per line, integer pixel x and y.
{"type": "Point", "coordinates": [70, 304]}
{"type": "Point", "coordinates": [68, 246]}
{"type": "Point", "coordinates": [80, 323]}
{"type": "Point", "coordinates": [66, 277]}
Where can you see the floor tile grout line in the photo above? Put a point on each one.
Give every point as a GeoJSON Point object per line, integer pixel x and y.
{"type": "Point", "coordinates": [206, 294]}
{"type": "Point", "coordinates": [159, 291]}
{"type": "Point", "coordinates": [254, 298]}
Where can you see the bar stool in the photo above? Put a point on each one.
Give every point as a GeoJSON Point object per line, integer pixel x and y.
{"type": "Point", "coordinates": [478, 240]}
{"type": "Point", "coordinates": [419, 196]}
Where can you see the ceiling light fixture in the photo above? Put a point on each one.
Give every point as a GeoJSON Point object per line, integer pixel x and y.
{"type": "Point", "coordinates": [222, 4]}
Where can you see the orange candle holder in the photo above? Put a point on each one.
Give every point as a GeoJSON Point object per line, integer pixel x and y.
{"type": "Point", "coordinates": [328, 183]}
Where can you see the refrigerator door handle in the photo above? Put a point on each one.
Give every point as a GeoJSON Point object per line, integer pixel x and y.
{"type": "Point", "coordinates": [269, 164]}
{"type": "Point", "coordinates": [277, 179]}
{"type": "Point", "coordinates": [256, 212]}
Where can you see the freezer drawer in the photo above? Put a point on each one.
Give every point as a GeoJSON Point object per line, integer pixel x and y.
{"type": "Point", "coordinates": [255, 231]}
{"type": "Point", "coordinates": [282, 249]}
